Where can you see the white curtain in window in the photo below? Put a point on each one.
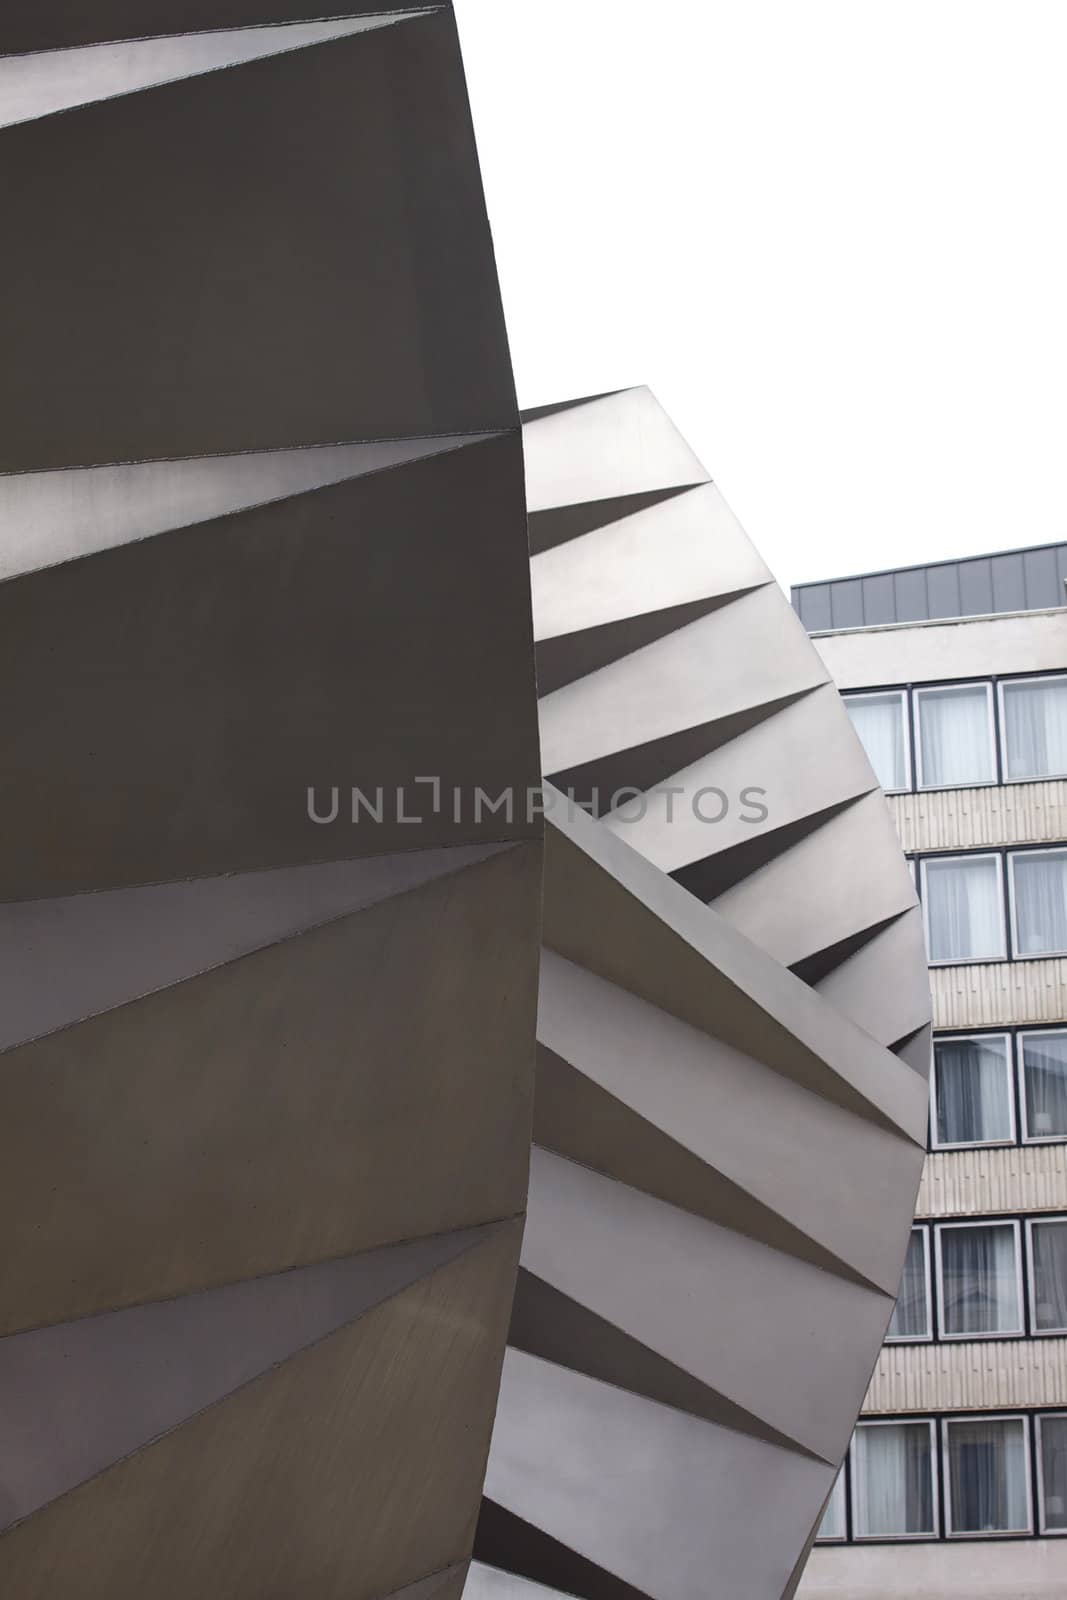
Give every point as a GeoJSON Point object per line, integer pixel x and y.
{"type": "Point", "coordinates": [832, 1525]}
{"type": "Point", "coordinates": [1053, 1469]}
{"type": "Point", "coordinates": [892, 1490]}
{"type": "Point", "coordinates": [987, 1464]}
{"type": "Point", "coordinates": [972, 1091]}
{"type": "Point", "coordinates": [1045, 1074]}
{"type": "Point", "coordinates": [1040, 880]}
{"type": "Point", "coordinates": [954, 737]}
{"type": "Point", "coordinates": [1035, 718]}
{"type": "Point", "coordinates": [1049, 1244]}
{"type": "Point", "coordinates": [979, 1280]}
{"type": "Point", "coordinates": [911, 1316]}
{"type": "Point", "coordinates": [963, 909]}
{"type": "Point", "coordinates": [879, 721]}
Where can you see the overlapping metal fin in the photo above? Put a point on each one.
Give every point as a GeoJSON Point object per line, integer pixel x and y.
{"type": "Point", "coordinates": [266, 1048]}
{"type": "Point", "coordinates": [726, 1147]}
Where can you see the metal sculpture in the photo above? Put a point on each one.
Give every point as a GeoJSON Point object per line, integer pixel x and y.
{"type": "Point", "coordinates": [267, 1045]}
{"type": "Point", "coordinates": [270, 874]}
{"type": "Point", "coordinates": [733, 1038]}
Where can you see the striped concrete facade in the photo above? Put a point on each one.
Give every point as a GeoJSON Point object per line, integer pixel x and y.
{"type": "Point", "coordinates": [942, 1378]}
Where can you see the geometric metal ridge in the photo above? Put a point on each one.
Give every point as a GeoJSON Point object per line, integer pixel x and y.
{"type": "Point", "coordinates": [49, 517]}
{"type": "Point", "coordinates": [726, 1147]}
{"type": "Point", "coordinates": [79, 1396]}
{"type": "Point", "coordinates": [269, 984]}
{"type": "Point", "coordinates": [39, 85]}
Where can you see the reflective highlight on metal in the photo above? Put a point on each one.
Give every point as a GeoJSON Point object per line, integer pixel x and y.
{"type": "Point", "coordinates": [265, 1084]}
{"type": "Point", "coordinates": [733, 1037]}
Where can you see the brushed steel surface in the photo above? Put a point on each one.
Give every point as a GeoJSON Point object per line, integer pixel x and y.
{"type": "Point", "coordinates": [365, 1083]}
{"type": "Point", "coordinates": [307, 262]}
{"type": "Point", "coordinates": [71, 958]}
{"type": "Point", "coordinates": [731, 1101]}
{"type": "Point", "coordinates": [187, 690]}
{"type": "Point", "coordinates": [282, 1488]}
{"type": "Point", "coordinates": [267, 1049]}
{"type": "Point", "coordinates": [81, 1395]}
{"type": "Point", "coordinates": [62, 515]}
{"type": "Point", "coordinates": [41, 84]}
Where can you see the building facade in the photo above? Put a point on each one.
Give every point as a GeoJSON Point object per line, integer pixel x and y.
{"type": "Point", "coordinates": [955, 1484]}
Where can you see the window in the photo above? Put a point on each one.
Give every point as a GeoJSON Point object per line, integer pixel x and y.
{"type": "Point", "coordinates": [955, 736]}
{"type": "Point", "coordinates": [979, 1279]}
{"type": "Point", "coordinates": [879, 720]}
{"type": "Point", "coordinates": [1044, 1087]}
{"type": "Point", "coordinates": [1039, 902]}
{"type": "Point", "coordinates": [1052, 1472]}
{"type": "Point", "coordinates": [893, 1480]}
{"type": "Point", "coordinates": [963, 905]}
{"type": "Point", "coordinates": [1034, 714]}
{"type": "Point", "coordinates": [1048, 1275]}
{"type": "Point", "coordinates": [832, 1526]}
{"type": "Point", "coordinates": [911, 1316]}
{"type": "Point", "coordinates": [988, 1472]}
{"type": "Point", "coordinates": [972, 1090]}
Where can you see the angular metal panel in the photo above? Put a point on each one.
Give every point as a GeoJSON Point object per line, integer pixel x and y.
{"type": "Point", "coordinates": [262, 543]}
{"type": "Point", "coordinates": [78, 1397]}
{"type": "Point", "coordinates": [635, 1261]}
{"type": "Point", "coordinates": [42, 84]}
{"type": "Point", "coordinates": [52, 24]}
{"type": "Point", "coordinates": [689, 547]}
{"type": "Point", "coordinates": [728, 1111]}
{"type": "Point", "coordinates": [267, 289]}
{"type": "Point", "coordinates": [71, 958]}
{"type": "Point", "coordinates": [725, 1161]}
{"type": "Point", "coordinates": [652, 1495]}
{"type": "Point", "coordinates": [348, 1472]}
{"type": "Point", "coordinates": [687, 678]}
{"type": "Point", "coordinates": [366, 1083]}
{"type": "Point", "coordinates": [598, 449]}
{"type": "Point", "coordinates": [363, 635]}
{"type": "Point", "coordinates": [50, 517]}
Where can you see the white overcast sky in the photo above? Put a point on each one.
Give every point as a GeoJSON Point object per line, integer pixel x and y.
{"type": "Point", "coordinates": [830, 234]}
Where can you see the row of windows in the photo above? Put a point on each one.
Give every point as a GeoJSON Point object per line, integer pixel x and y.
{"type": "Point", "coordinates": [964, 898]}
{"type": "Point", "coordinates": [986, 1285]}
{"type": "Point", "coordinates": [950, 736]}
{"type": "Point", "coordinates": [962, 1477]}
{"type": "Point", "coordinates": [996, 1089]}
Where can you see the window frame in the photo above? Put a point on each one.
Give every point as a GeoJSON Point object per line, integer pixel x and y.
{"type": "Point", "coordinates": [1042, 1531]}
{"type": "Point", "coordinates": [1010, 858]}
{"type": "Point", "coordinates": [905, 726]}
{"type": "Point", "coordinates": [972, 856]}
{"type": "Point", "coordinates": [838, 1489]}
{"type": "Point", "coordinates": [1025, 1136]}
{"type": "Point", "coordinates": [1008, 683]}
{"type": "Point", "coordinates": [1009, 1067]}
{"type": "Point", "coordinates": [942, 1322]}
{"type": "Point", "coordinates": [928, 1336]}
{"type": "Point", "coordinates": [935, 1481]}
{"type": "Point", "coordinates": [1028, 1462]}
{"type": "Point", "coordinates": [1031, 1294]}
{"type": "Point", "coordinates": [919, 692]}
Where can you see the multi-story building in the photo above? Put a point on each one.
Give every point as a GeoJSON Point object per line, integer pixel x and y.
{"type": "Point", "coordinates": [955, 1486]}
